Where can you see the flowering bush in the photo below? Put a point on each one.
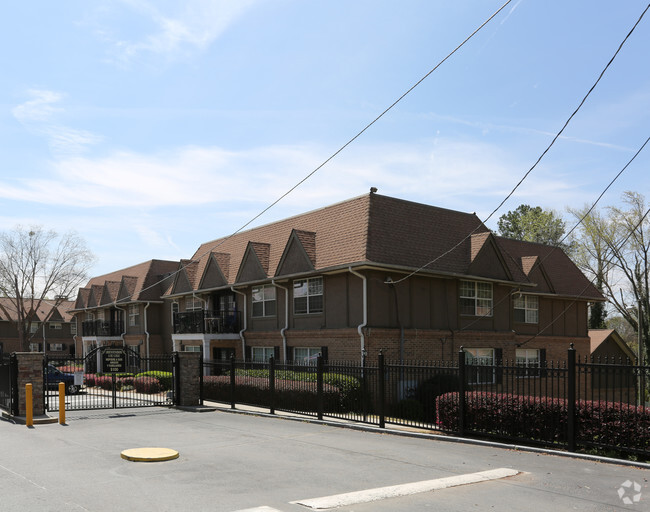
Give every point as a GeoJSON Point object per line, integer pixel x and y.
{"type": "Point", "coordinates": [546, 419]}
{"type": "Point", "coordinates": [147, 385]}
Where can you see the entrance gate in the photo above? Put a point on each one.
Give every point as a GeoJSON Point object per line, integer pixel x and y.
{"type": "Point", "coordinates": [110, 378]}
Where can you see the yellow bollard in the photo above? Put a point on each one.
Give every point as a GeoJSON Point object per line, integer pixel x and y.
{"type": "Point", "coordinates": [29, 407]}
{"type": "Point", "coordinates": [61, 403]}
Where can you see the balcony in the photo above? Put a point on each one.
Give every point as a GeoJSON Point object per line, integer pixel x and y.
{"type": "Point", "coordinates": [102, 328]}
{"type": "Point", "coordinates": [207, 322]}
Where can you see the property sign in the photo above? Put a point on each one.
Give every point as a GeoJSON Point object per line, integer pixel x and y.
{"type": "Point", "coordinates": [114, 360]}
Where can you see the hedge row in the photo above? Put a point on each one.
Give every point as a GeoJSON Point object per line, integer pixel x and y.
{"type": "Point", "coordinates": [545, 419]}
{"type": "Point", "coordinates": [289, 394]}
{"type": "Point", "coordinates": [141, 383]}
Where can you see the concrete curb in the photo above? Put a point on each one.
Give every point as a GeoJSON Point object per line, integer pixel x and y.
{"type": "Point", "coordinates": [441, 437]}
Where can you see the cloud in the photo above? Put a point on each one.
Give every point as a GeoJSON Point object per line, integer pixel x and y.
{"type": "Point", "coordinates": [39, 114]}
{"type": "Point", "coordinates": [193, 24]}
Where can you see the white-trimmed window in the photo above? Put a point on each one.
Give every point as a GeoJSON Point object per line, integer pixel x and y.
{"type": "Point", "coordinates": [34, 347]}
{"type": "Point", "coordinates": [308, 296]}
{"type": "Point", "coordinates": [475, 298]}
{"type": "Point", "coordinates": [33, 328]}
{"type": "Point", "coordinates": [73, 326]}
{"type": "Point", "coordinates": [480, 363]}
{"type": "Point", "coordinates": [526, 309]}
{"type": "Point", "coordinates": [56, 326]}
{"type": "Point", "coordinates": [306, 355]}
{"type": "Point", "coordinates": [193, 304]}
{"type": "Point", "coordinates": [263, 300]}
{"type": "Point", "coordinates": [262, 354]}
{"type": "Point", "coordinates": [100, 314]}
{"type": "Point", "coordinates": [56, 347]}
{"type": "Point", "coordinates": [191, 348]}
{"type": "Point", "coordinates": [90, 316]}
{"type": "Point", "coordinates": [175, 308]}
{"type": "Point", "coordinates": [134, 314]}
{"type": "Point", "coordinates": [528, 362]}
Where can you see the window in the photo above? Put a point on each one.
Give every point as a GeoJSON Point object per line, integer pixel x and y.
{"type": "Point", "coordinates": [134, 314]}
{"type": "Point", "coordinates": [73, 326]}
{"type": "Point", "coordinates": [308, 296]}
{"type": "Point", "coordinates": [55, 326]}
{"type": "Point", "coordinates": [264, 301]}
{"type": "Point", "coordinates": [526, 309]}
{"type": "Point", "coordinates": [34, 327]}
{"type": "Point", "coordinates": [262, 354]}
{"type": "Point", "coordinates": [306, 355]}
{"type": "Point", "coordinates": [193, 304]}
{"type": "Point", "coordinates": [34, 347]}
{"type": "Point", "coordinates": [56, 347]}
{"type": "Point", "coordinates": [191, 348]}
{"type": "Point", "coordinates": [475, 298]}
{"type": "Point", "coordinates": [528, 362]}
{"type": "Point", "coordinates": [480, 362]}
{"type": "Point", "coordinates": [100, 314]}
{"type": "Point", "coordinates": [175, 308]}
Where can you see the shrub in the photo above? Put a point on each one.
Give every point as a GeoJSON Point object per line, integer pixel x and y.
{"type": "Point", "coordinates": [408, 409]}
{"type": "Point", "coordinates": [430, 389]}
{"type": "Point", "coordinates": [604, 424]}
{"type": "Point", "coordinates": [147, 384]}
{"type": "Point", "coordinates": [289, 394]}
{"type": "Point", "coordinates": [164, 378]}
{"type": "Point", "coordinates": [89, 380]}
{"type": "Point", "coordinates": [104, 382]}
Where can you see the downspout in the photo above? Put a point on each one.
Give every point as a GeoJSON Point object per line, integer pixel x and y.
{"type": "Point", "coordinates": [241, 333]}
{"type": "Point", "coordinates": [283, 331]}
{"type": "Point", "coordinates": [146, 332]}
{"type": "Point", "coordinates": [360, 327]}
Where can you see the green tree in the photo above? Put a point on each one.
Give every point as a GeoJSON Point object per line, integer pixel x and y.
{"type": "Point", "coordinates": [38, 265]}
{"type": "Point", "coordinates": [534, 224]}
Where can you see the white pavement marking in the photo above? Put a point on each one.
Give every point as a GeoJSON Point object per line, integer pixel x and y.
{"type": "Point", "coordinates": [393, 491]}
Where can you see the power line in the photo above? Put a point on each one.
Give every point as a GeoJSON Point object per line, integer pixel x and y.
{"type": "Point", "coordinates": [344, 146]}
{"type": "Point", "coordinates": [557, 136]}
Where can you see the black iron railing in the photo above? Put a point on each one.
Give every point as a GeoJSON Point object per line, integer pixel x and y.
{"type": "Point", "coordinates": [573, 404]}
{"type": "Point", "coordinates": [207, 322]}
{"type": "Point", "coordinates": [102, 328]}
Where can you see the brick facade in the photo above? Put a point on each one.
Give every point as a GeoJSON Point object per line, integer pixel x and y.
{"type": "Point", "coordinates": [30, 371]}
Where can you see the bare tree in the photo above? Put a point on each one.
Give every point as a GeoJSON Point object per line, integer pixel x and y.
{"type": "Point", "coordinates": [38, 265]}
{"type": "Point", "coordinates": [615, 251]}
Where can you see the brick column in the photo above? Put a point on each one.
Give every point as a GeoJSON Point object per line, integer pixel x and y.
{"type": "Point", "coordinates": [30, 371]}
{"type": "Point", "coordinates": [189, 368]}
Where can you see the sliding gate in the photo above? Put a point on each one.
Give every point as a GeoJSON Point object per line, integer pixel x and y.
{"type": "Point", "coordinates": [110, 378]}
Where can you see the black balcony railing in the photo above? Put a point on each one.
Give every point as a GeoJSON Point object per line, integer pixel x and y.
{"type": "Point", "coordinates": [102, 328]}
{"type": "Point", "coordinates": [207, 322]}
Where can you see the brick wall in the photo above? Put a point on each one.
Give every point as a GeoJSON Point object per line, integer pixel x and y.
{"type": "Point", "coordinates": [30, 370]}
{"type": "Point", "coordinates": [189, 367]}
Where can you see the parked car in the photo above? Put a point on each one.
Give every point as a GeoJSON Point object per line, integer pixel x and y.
{"type": "Point", "coordinates": [53, 376]}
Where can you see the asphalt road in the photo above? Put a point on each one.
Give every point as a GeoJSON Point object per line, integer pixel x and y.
{"type": "Point", "coordinates": [232, 462]}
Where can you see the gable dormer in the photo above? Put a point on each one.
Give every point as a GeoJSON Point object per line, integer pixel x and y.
{"type": "Point", "coordinates": [486, 260]}
{"type": "Point", "coordinates": [184, 277]}
{"type": "Point", "coordinates": [109, 293]}
{"type": "Point", "coordinates": [95, 295]}
{"type": "Point", "coordinates": [533, 267]}
{"type": "Point", "coordinates": [255, 263]}
{"type": "Point", "coordinates": [216, 271]}
{"type": "Point", "coordinates": [82, 298]}
{"type": "Point", "coordinates": [299, 253]}
{"type": "Point", "coordinates": [127, 288]}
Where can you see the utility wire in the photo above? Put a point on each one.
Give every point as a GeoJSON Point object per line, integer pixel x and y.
{"type": "Point", "coordinates": [557, 136]}
{"type": "Point", "coordinates": [343, 147]}
{"type": "Point", "coordinates": [554, 248]}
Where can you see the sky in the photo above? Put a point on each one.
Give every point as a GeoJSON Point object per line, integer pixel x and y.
{"type": "Point", "coordinates": [150, 127]}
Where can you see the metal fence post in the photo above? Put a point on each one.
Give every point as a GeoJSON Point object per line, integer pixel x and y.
{"type": "Point", "coordinates": [14, 384]}
{"type": "Point", "coordinates": [319, 386]}
{"type": "Point", "coordinates": [176, 363]}
{"type": "Point", "coordinates": [232, 381]}
{"type": "Point", "coordinates": [381, 385]}
{"type": "Point", "coordinates": [571, 399]}
{"type": "Point", "coordinates": [461, 392]}
{"type": "Point", "coordinates": [272, 385]}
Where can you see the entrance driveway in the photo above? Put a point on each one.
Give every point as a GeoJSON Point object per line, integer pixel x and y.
{"type": "Point", "coordinates": [232, 462]}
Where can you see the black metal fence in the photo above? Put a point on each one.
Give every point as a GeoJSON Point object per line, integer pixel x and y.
{"type": "Point", "coordinates": [588, 405]}
{"type": "Point", "coordinates": [8, 385]}
{"type": "Point", "coordinates": [145, 381]}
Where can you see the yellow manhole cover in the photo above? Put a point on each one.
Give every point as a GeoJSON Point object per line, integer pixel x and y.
{"type": "Point", "coordinates": [149, 454]}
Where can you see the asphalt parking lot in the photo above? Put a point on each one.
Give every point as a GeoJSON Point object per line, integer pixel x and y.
{"type": "Point", "coordinates": [233, 462]}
